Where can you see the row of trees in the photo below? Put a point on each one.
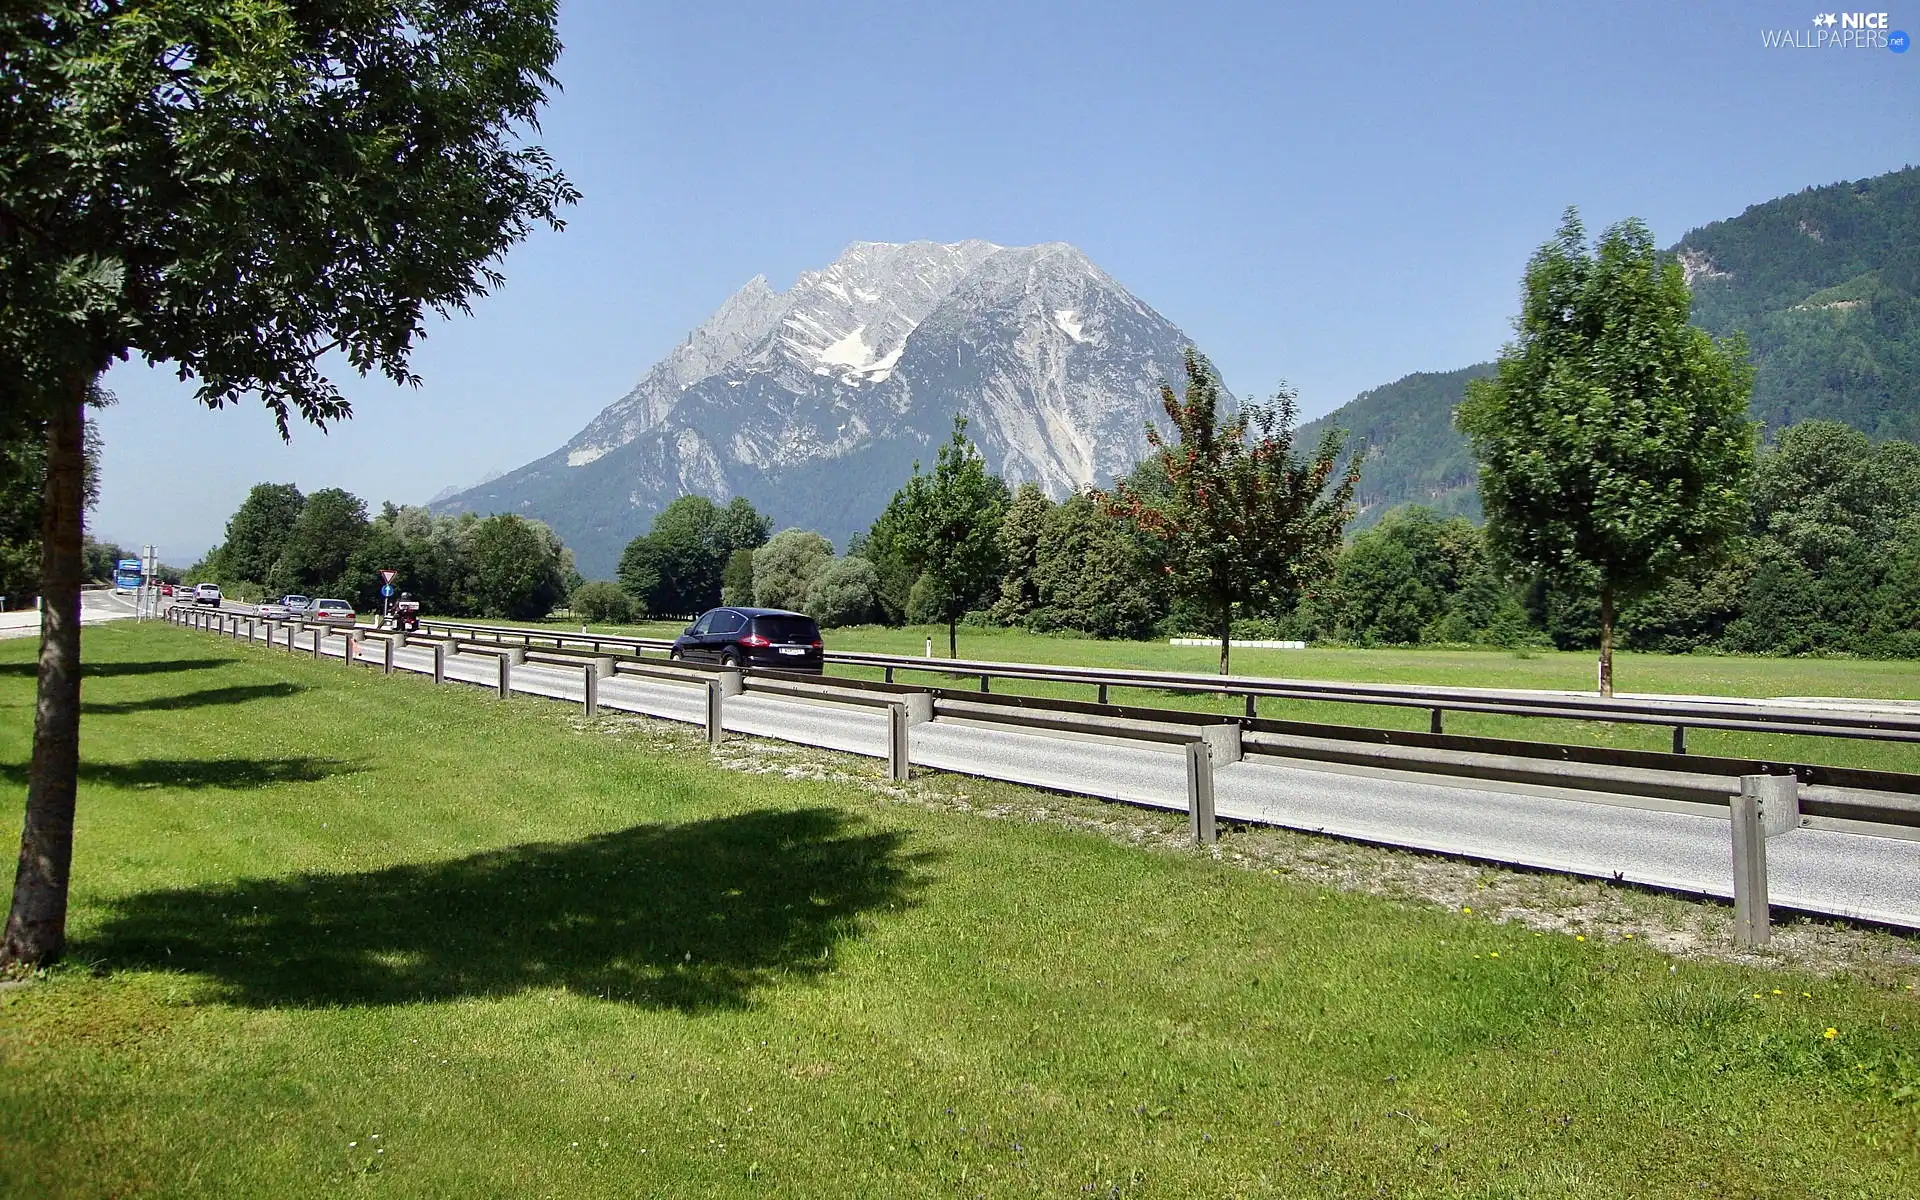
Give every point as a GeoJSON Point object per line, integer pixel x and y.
{"type": "Point", "coordinates": [280, 541]}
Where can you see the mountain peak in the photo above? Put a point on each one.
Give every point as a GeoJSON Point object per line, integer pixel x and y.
{"type": "Point", "coordinates": [816, 401]}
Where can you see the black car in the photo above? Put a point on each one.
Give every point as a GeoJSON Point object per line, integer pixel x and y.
{"type": "Point", "coordinates": [752, 637]}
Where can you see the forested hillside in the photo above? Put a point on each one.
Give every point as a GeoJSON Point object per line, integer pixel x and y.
{"type": "Point", "coordinates": [1413, 454]}
{"type": "Point", "coordinates": [1825, 284]}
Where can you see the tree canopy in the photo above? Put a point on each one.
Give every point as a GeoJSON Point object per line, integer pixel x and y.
{"type": "Point", "coordinates": [1613, 441]}
{"type": "Point", "coordinates": [1241, 519]}
{"type": "Point", "coordinates": [237, 189]}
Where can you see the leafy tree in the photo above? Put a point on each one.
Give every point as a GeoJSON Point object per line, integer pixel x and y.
{"type": "Point", "coordinates": [736, 581]}
{"type": "Point", "coordinates": [518, 567]}
{"type": "Point", "coordinates": [784, 569]}
{"type": "Point", "coordinates": [99, 560]}
{"type": "Point", "coordinates": [1020, 533]}
{"type": "Point", "coordinates": [1242, 519]}
{"type": "Point", "coordinates": [324, 538]}
{"type": "Point", "coordinates": [602, 602]}
{"type": "Point", "coordinates": [885, 546]}
{"type": "Point", "coordinates": [678, 565]}
{"type": "Point", "coordinates": [1094, 574]}
{"type": "Point", "coordinates": [949, 532]}
{"type": "Point", "coordinates": [740, 526]}
{"type": "Point", "coordinates": [257, 532]}
{"type": "Point", "coordinates": [235, 189]}
{"type": "Point", "coordinates": [845, 592]}
{"type": "Point", "coordinates": [1613, 442]}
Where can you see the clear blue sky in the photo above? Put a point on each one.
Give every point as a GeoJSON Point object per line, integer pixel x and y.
{"type": "Point", "coordinates": [1331, 195]}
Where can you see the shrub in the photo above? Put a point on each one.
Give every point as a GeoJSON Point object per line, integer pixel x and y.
{"type": "Point", "coordinates": [602, 603]}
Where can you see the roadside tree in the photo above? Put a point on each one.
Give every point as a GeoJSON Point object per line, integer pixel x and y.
{"type": "Point", "coordinates": [949, 533]}
{"type": "Point", "coordinates": [237, 190]}
{"type": "Point", "coordinates": [784, 569]}
{"type": "Point", "coordinates": [1241, 519]}
{"type": "Point", "coordinates": [1613, 439]}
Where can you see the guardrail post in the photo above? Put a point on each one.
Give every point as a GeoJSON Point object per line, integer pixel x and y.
{"type": "Point", "coordinates": [506, 677]}
{"type": "Point", "coordinates": [319, 641]}
{"type": "Point", "coordinates": [1751, 918]}
{"type": "Point", "coordinates": [1200, 794]}
{"type": "Point", "coordinates": [889, 675]}
{"type": "Point", "coordinates": [715, 712]}
{"type": "Point", "coordinates": [400, 637]}
{"type": "Point", "coordinates": [1767, 806]}
{"type": "Point", "coordinates": [1434, 722]}
{"type": "Point", "coordinates": [899, 764]}
{"type": "Point", "coordinates": [590, 683]}
{"type": "Point", "coordinates": [732, 683]}
{"type": "Point", "coordinates": [439, 662]}
{"type": "Point", "coordinates": [1252, 710]}
{"type": "Point", "coordinates": [386, 658]}
{"type": "Point", "coordinates": [983, 684]}
{"type": "Point", "coordinates": [1679, 739]}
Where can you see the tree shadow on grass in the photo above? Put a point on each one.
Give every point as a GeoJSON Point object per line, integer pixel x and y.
{"type": "Point", "coordinates": [195, 773]}
{"type": "Point", "coordinates": [692, 917]}
{"type": "Point", "coordinates": [238, 694]}
{"type": "Point", "coordinates": [101, 670]}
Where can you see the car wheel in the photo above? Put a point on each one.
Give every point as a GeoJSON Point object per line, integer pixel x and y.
{"type": "Point", "coordinates": [731, 659]}
{"type": "Point", "coordinates": [673, 656]}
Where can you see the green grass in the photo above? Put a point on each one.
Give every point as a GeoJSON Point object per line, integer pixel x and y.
{"type": "Point", "coordinates": [537, 958]}
{"type": "Point", "coordinates": [1663, 673]}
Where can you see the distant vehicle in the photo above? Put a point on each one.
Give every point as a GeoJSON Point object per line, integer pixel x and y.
{"type": "Point", "coordinates": [406, 613]}
{"type": "Point", "coordinates": [331, 612]}
{"type": "Point", "coordinates": [285, 608]}
{"type": "Point", "coordinates": [753, 637]}
{"type": "Point", "coordinates": [127, 576]}
{"type": "Point", "coordinates": [166, 589]}
{"type": "Point", "coordinates": [206, 593]}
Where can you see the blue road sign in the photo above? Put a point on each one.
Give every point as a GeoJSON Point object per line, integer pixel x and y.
{"type": "Point", "coordinates": [386, 589]}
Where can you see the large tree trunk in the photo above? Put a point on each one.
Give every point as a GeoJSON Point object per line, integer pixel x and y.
{"type": "Point", "coordinates": [37, 922]}
{"type": "Point", "coordinates": [1226, 636]}
{"type": "Point", "coordinates": [1606, 641]}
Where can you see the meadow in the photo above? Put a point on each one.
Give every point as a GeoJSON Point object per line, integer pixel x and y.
{"type": "Point", "coordinates": [335, 932]}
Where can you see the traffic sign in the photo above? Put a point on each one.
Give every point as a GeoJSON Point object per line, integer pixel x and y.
{"type": "Point", "coordinates": [387, 576]}
{"type": "Point", "coordinates": [386, 589]}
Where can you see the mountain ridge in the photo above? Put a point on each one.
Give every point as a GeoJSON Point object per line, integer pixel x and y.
{"type": "Point", "coordinates": [816, 401]}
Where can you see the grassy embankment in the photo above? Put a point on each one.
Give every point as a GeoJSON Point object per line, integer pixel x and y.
{"type": "Point", "coordinates": [1664, 673]}
{"type": "Point", "coordinates": [333, 930]}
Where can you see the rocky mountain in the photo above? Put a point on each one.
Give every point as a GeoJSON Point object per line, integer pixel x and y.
{"type": "Point", "coordinates": [1825, 284]}
{"type": "Point", "coordinates": [815, 402]}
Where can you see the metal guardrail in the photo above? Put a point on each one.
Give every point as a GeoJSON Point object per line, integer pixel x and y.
{"type": "Point", "coordinates": [1681, 714]}
{"type": "Point", "coordinates": [1762, 799]}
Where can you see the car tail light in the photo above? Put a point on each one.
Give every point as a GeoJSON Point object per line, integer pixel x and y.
{"type": "Point", "coordinates": [754, 641]}
{"type": "Point", "coordinates": [816, 644]}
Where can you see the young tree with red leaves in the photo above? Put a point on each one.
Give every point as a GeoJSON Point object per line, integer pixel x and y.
{"type": "Point", "coordinates": [1244, 519]}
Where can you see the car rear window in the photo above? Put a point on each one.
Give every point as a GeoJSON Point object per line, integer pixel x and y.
{"type": "Point", "coordinates": [787, 629]}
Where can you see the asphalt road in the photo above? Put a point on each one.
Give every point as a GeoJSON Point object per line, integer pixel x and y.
{"type": "Point", "coordinates": [1813, 870]}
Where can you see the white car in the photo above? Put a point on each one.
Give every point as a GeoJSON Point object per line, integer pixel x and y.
{"type": "Point", "coordinates": [206, 593]}
{"type": "Point", "coordinates": [332, 612]}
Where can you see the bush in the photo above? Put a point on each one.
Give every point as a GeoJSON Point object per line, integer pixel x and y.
{"type": "Point", "coordinates": [846, 592]}
{"type": "Point", "coordinates": [602, 603]}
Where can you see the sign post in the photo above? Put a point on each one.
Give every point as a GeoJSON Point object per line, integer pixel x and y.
{"type": "Point", "coordinates": [386, 593]}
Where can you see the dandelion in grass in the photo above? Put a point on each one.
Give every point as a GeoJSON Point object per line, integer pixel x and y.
{"type": "Point", "coordinates": [1467, 908]}
{"type": "Point", "coordinates": [1831, 1033]}
{"type": "Point", "coordinates": [1494, 954]}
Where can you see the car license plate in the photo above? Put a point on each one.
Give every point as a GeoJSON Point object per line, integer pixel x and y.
{"type": "Point", "coordinates": [793, 650]}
